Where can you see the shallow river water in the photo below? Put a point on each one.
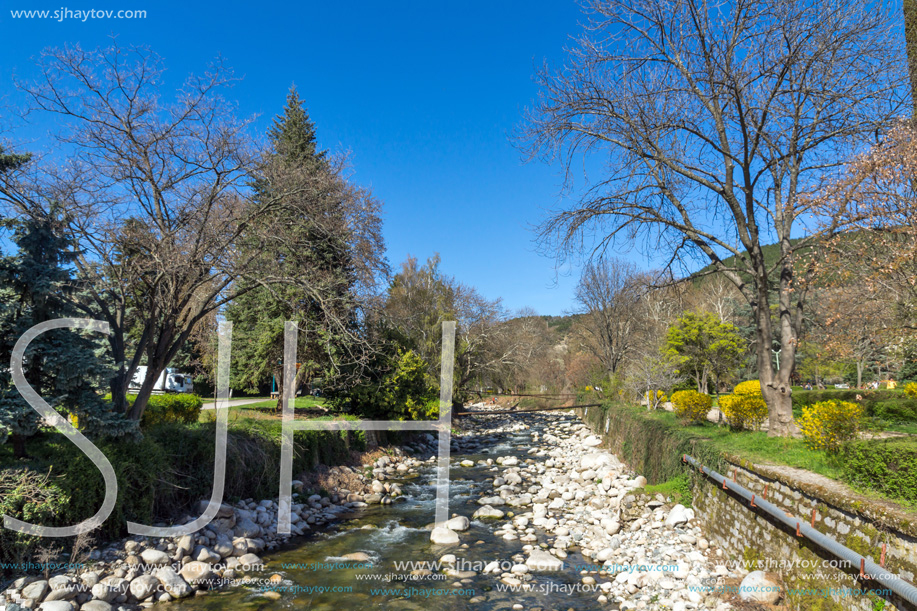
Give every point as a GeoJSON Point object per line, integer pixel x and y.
{"type": "Point", "coordinates": [315, 576]}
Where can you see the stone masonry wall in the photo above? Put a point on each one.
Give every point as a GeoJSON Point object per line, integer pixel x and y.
{"type": "Point", "coordinates": [749, 536]}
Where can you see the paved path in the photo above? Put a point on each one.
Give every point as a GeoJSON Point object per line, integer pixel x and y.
{"type": "Point", "coordinates": [236, 403]}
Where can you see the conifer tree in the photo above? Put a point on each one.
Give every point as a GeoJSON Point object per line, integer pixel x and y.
{"type": "Point", "coordinates": [319, 253]}
{"type": "Point", "coordinates": [66, 367]}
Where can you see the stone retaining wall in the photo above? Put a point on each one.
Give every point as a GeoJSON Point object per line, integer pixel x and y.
{"type": "Point", "coordinates": [749, 536]}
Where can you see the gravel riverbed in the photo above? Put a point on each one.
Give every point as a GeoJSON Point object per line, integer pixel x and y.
{"type": "Point", "coordinates": [568, 519]}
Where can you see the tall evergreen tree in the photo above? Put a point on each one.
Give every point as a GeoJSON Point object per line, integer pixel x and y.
{"type": "Point", "coordinates": [319, 253]}
{"type": "Point", "coordinates": [65, 367]}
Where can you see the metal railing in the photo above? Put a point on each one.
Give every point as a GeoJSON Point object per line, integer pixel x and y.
{"type": "Point", "coordinates": [868, 568]}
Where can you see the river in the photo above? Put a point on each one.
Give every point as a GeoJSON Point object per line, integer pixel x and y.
{"type": "Point", "coordinates": [398, 533]}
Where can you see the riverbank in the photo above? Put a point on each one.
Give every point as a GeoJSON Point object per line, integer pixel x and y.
{"type": "Point", "coordinates": [540, 516]}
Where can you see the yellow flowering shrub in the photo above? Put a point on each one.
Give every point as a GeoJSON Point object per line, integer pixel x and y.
{"type": "Point", "coordinates": [660, 398]}
{"type": "Point", "coordinates": [748, 389]}
{"type": "Point", "coordinates": [691, 405]}
{"type": "Point", "coordinates": [747, 411]}
{"type": "Point", "coordinates": [827, 424]}
{"type": "Point", "coordinates": [911, 389]}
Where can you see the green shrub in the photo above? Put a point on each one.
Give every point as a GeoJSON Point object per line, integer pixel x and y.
{"type": "Point", "coordinates": [402, 393]}
{"type": "Point", "coordinates": [169, 408]}
{"type": "Point", "coordinates": [828, 424]}
{"type": "Point", "coordinates": [894, 411]}
{"type": "Point", "coordinates": [746, 411]}
{"type": "Point", "coordinates": [160, 477]}
{"type": "Point", "coordinates": [32, 497]}
{"type": "Point", "coordinates": [691, 406]}
{"type": "Point", "coordinates": [888, 466]}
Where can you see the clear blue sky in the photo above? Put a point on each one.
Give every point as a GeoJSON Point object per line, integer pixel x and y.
{"type": "Point", "coordinates": [423, 94]}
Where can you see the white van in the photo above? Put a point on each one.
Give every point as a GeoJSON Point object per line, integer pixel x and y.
{"type": "Point", "coordinates": [169, 380]}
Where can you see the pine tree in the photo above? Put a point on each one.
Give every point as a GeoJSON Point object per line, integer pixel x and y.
{"type": "Point", "coordinates": [318, 252]}
{"type": "Point", "coordinates": [65, 367]}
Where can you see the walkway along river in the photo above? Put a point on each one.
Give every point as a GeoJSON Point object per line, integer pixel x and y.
{"type": "Point", "coordinates": [545, 520]}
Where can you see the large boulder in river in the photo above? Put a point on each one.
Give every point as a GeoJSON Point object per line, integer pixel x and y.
{"type": "Point", "coordinates": [457, 523]}
{"type": "Point", "coordinates": [155, 557]}
{"type": "Point", "coordinates": [443, 536]}
{"type": "Point", "coordinates": [488, 512]}
{"type": "Point", "coordinates": [540, 560]}
{"type": "Point", "coordinates": [758, 587]}
{"type": "Point", "coordinates": [143, 586]}
{"type": "Point", "coordinates": [245, 527]}
{"type": "Point", "coordinates": [677, 515]}
{"type": "Point", "coordinates": [36, 590]}
{"type": "Point", "coordinates": [196, 572]}
{"type": "Point", "coordinates": [597, 460]}
{"type": "Point", "coordinates": [173, 583]}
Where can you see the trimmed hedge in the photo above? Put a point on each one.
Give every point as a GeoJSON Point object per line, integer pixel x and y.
{"type": "Point", "coordinates": [160, 477]}
{"type": "Point", "coordinates": [165, 409]}
{"type": "Point", "coordinates": [904, 410]}
{"type": "Point", "coordinates": [808, 397]}
{"type": "Point", "coordinates": [888, 466]}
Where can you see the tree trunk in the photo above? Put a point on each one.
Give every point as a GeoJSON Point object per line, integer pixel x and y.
{"type": "Point", "coordinates": [297, 382]}
{"type": "Point", "coordinates": [774, 384]}
{"type": "Point", "coordinates": [146, 390]}
{"type": "Point", "coordinates": [859, 374]}
{"type": "Point", "coordinates": [18, 445]}
{"type": "Point", "coordinates": [910, 37]}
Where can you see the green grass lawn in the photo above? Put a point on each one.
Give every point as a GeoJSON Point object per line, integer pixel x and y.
{"type": "Point", "coordinates": [298, 403]}
{"type": "Point", "coordinates": [263, 410]}
{"type": "Point", "coordinates": [756, 446]}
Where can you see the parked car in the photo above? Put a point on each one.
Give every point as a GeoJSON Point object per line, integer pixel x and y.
{"type": "Point", "coordinates": [170, 380]}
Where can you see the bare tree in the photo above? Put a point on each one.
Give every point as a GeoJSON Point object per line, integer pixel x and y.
{"type": "Point", "coordinates": [420, 298]}
{"type": "Point", "coordinates": [523, 354]}
{"type": "Point", "coordinates": [609, 298]}
{"type": "Point", "coordinates": [158, 195]}
{"type": "Point", "coordinates": [652, 371]}
{"type": "Point", "coordinates": [714, 118]}
{"type": "Point", "coordinates": [714, 294]}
